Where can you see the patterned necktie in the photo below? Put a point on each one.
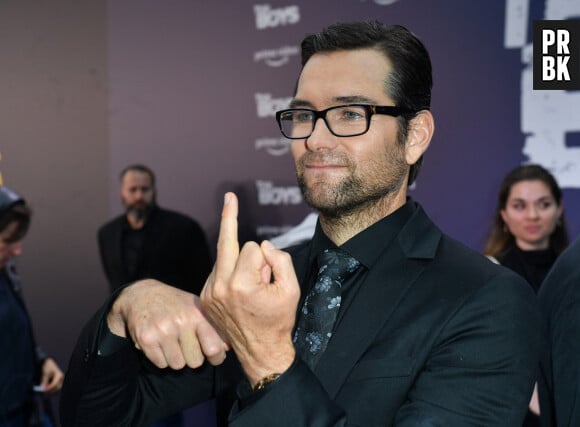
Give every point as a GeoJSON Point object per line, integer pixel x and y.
{"type": "Point", "coordinates": [321, 305]}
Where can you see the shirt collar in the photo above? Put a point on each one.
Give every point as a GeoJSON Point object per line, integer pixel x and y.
{"type": "Point", "coordinates": [365, 246]}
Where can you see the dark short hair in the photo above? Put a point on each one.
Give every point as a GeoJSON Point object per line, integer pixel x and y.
{"type": "Point", "coordinates": [500, 238]}
{"type": "Point", "coordinates": [138, 168]}
{"type": "Point", "coordinates": [13, 208]}
{"type": "Point", "coordinates": [410, 82]}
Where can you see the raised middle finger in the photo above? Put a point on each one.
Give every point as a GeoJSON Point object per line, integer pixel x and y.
{"type": "Point", "coordinates": [228, 247]}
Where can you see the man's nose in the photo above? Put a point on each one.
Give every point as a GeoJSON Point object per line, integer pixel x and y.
{"type": "Point", "coordinates": [321, 137]}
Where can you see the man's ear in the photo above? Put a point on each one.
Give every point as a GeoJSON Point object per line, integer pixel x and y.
{"type": "Point", "coordinates": [421, 129]}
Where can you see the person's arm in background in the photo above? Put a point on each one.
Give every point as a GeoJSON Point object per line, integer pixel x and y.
{"type": "Point", "coordinates": [51, 376]}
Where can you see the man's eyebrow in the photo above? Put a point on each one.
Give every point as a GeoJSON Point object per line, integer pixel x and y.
{"type": "Point", "coordinates": [339, 100]}
{"type": "Point", "coordinates": [353, 99]}
{"type": "Point", "coordinates": [300, 103]}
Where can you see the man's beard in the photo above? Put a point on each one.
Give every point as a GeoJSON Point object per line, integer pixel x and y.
{"type": "Point", "coordinates": [139, 211]}
{"type": "Point", "coordinates": [356, 192]}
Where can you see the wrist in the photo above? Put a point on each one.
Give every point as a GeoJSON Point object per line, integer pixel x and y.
{"type": "Point", "coordinates": [269, 370]}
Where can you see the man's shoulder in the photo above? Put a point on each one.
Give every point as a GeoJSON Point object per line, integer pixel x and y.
{"type": "Point", "coordinates": [560, 288]}
{"type": "Point", "coordinates": [112, 224]}
{"type": "Point", "coordinates": [566, 266]}
{"type": "Point", "coordinates": [458, 254]}
{"type": "Point", "coordinates": [174, 221]}
{"type": "Point", "coordinates": [173, 216]}
{"type": "Point", "coordinates": [473, 272]}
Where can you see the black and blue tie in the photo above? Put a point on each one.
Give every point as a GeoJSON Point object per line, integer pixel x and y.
{"type": "Point", "coordinates": [318, 315]}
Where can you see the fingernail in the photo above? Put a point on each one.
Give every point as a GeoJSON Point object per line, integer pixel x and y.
{"type": "Point", "coordinates": [267, 245]}
{"type": "Point", "coordinates": [227, 198]}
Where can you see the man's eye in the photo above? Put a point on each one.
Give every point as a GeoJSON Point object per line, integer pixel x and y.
{"type": "Point", "coordinates": [303, 116]}
{"type": "Point", "coordinates": [352, 115]}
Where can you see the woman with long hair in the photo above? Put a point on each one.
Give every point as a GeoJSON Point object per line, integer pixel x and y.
{"type": "Point", "coordinates": [528, 233]}
{"type": "Point", "coordinates": [529, 229]}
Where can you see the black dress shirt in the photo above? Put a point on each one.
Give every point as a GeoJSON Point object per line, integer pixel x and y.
{"type": "Point", "coordinates": [364, 247]}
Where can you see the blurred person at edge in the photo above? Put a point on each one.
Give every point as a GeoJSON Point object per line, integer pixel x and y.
{"type": "Point", "coordinates": [24, 366]}
{"type": "Point", "coordinates": [560, 368]}
{"type": "Point", "coordinates": [528, 233]}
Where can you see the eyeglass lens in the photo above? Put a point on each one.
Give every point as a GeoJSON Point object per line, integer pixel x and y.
{"type": "Point", "coordinates": [342, 121]}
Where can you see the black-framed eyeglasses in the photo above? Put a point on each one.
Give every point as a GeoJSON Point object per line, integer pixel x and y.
{"type": "Point", "coordinates": [342, 120]}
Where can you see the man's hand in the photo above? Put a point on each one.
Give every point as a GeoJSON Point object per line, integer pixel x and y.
{"type": "Point", "coordinates": [251, 296]}
{"type": "Point", "coordinates": [167, 324]}
{"type": "Point", "coordinates": [51, 377]}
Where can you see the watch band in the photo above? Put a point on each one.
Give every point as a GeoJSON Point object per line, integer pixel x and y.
{"type": "Point", "coordinates": [265, 381]}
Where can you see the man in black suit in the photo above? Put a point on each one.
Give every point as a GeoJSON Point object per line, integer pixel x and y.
{"type": "Point", "coordinates": [427, 331]}
{"type": "Point", "coordinates": [560, 374]}
{"type": "Point", "coordinates": [150, 242]}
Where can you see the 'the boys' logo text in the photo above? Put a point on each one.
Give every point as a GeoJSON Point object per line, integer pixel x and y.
{"type": "Point", "coordinates": [557, 55]}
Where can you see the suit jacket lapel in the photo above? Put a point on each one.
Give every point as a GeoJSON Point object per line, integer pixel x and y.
{"type": "Point", "coordinates": [115, 246]}
{"type": "Point", "coordinates": [383, 289]}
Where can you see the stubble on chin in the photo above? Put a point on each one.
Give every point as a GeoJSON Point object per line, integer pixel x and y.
{"type": "Point", "coordinates": [324, 193]}
{"type": "Point", "coordinates": [353, 193]}
{"type": "Point", "coordinates": [330, 199]}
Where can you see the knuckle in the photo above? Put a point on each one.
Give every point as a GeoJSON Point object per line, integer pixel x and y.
{"type": "Point", "coordinates": [177, 363]}
{"type": "Point", "coordinates": [212, 349]}
{"type": "Point", "coordinates": [146, 339]}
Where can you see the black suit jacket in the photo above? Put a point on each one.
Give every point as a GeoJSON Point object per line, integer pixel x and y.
{"type": "Point", "coordinates": [16, 288]}
{"type": "Point", "coordinates": [437, 335]}
{"type": "Point", "coordinates": [559, 385]}
{"type": "Point", "coordinates": [39, 355]}
{"type": "Point", "coordinates": [175, 251]}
